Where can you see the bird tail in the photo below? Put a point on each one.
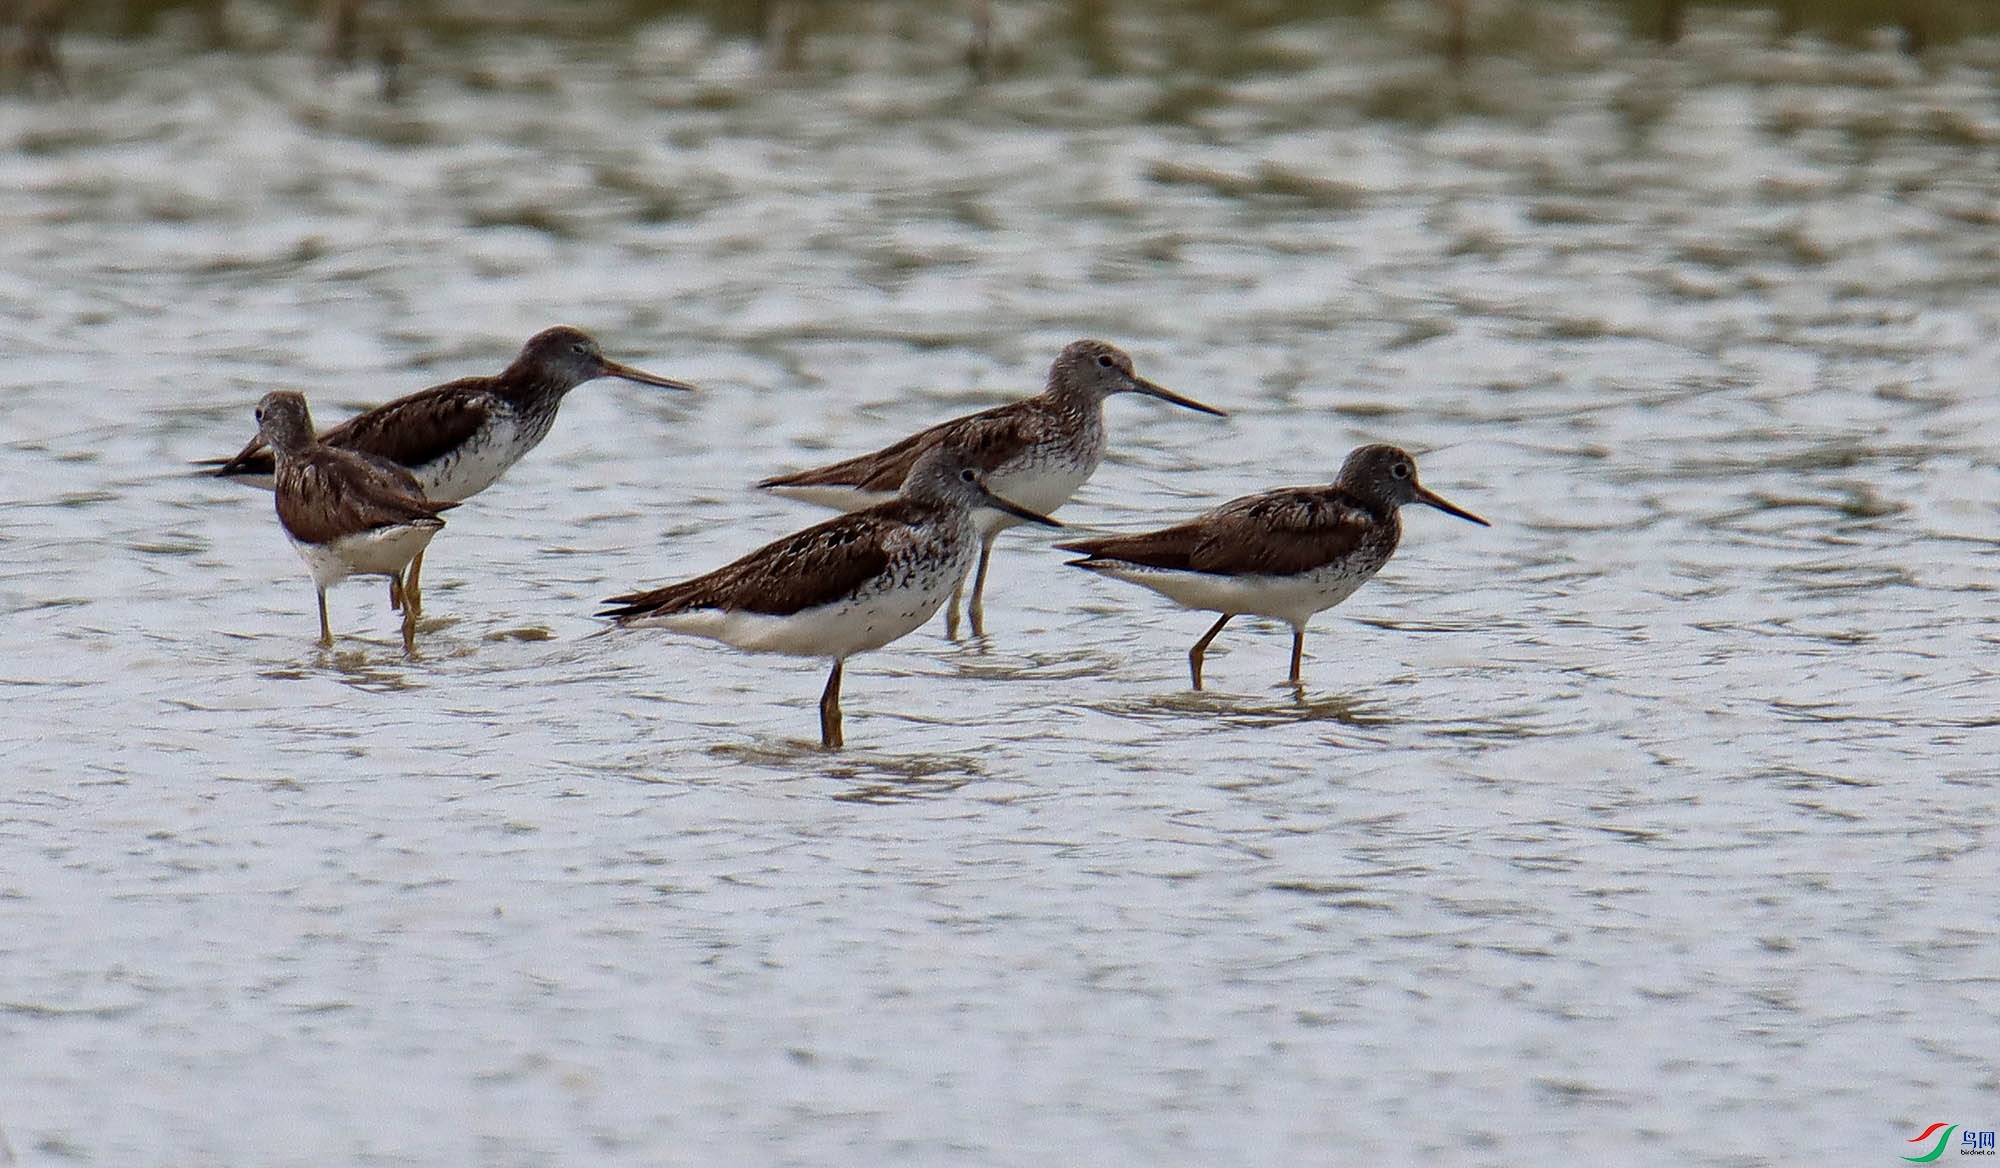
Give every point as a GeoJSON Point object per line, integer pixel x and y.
{"type": "Point", "coordinates": [657, 602]}
{"type": "Point", "coordinates": [254, 459]}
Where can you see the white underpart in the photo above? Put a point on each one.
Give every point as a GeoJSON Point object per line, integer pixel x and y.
{"type": "Point", "coordinates": [838, 498]}
{"type": "Point", "coordinates": [1039, 484]}
{"type": "Point", "coordinates": [479, 463]}
{"type": "Point", "coordinates": [1292, 599]}
{"type": "Point", "coordinates": [892, 605]}
{"type": "Point", "coordinates": [385, 551]}
{"type": "Point", "coordinates": [1040, 487]}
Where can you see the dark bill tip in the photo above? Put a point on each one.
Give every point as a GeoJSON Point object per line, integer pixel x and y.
{"type": "Point", "coordinates": [1141, 385]}
{"type": "Point", "coordinates": [614, 369]}
{"type": "Point", "coordinates": [1018, 511]}
{"type": "Point", "coordinates": [1431, 498]}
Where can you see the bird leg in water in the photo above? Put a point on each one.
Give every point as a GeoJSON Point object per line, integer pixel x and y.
{"type": "Point", "coordinates": [325, 629]}
{"type": "Point", "coordinates": [413, 596]}
{"type": "Point", "coordinates": [1201, 647]}
{"type": "Point", "coordinates": [975, 609]}
{"type": "Point", "coordinates": [829, 711]}
{"type": "Point", "coordinates": [951, 610]}
{"type": "Point", "coordinates": [409, 618]}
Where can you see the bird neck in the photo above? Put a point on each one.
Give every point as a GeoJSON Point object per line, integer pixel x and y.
{"type": "Point", "coordinates": [1068, 400]}
{"type": "Point", "coordinates": [1381, 510]}
{"type": "Point", "coordinates": [531, 392]}
{"type": "Point", "coordinates": [288, 444]}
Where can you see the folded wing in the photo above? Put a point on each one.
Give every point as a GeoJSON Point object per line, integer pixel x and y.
{"type": "Point", "coordinates": [820, 565]}
{"type": "Point", "coordinates": [1277, 533]}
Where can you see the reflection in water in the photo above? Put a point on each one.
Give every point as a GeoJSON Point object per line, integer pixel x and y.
{"type": "Point", "coordinates": [1251, 711]}
{"type": "Point", "coordinates": [982, 659]}
{"type": "Point", "coordinates": [904, 780]}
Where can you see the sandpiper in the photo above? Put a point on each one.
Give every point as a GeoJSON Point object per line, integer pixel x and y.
{"type": "Point", "coordinates": [460, 437]}
{"type": "Point", "coordinates": [1036, 452]}
{"type": "Point", "coordinates": [348, 513]}
{"type": "Point", "coordinates": [854, 583]}
{"type": "Point", "coordinates": [1285, 554]}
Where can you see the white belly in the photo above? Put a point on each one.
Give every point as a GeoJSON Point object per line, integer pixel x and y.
{"type": "Point", "coordinates": [478, 464]}
{"type": "Point", "coordinates": [1292, 599]}
{"type": "Point", "coordinates": [880, 612]}
{"type": "Point", "coordinates": [839, 498]}
{"type": "Point", "coordinates": [1040, 487]}
{"type": "Point", "coordinates": [383, 552]}
{"type": "Point", "coordinates": [1041, 482]}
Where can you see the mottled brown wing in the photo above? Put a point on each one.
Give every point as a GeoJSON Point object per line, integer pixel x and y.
{"type": "Point", "coordinates": [881, 471]}
{"type": "Point", "coordinates": [1277, 533]}
{"type": "Point", "coordinates": [985, 439]}
{"type": "Point", "coordinates": [1169, 547]}
{"type": "Point", "coordinates": [816, 566]}
{"type": "Point", "coordinates": [413, 430]}
{"type": "Point", "coordinates": [409, 431]}
{"type": "Point", "coordinates": [325, 494]}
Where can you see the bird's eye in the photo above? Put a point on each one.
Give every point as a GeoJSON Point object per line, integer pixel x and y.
{"type": "Point", "coordinates": [1104, 359]}
{"type": "Point", "coordinates": [967, 476]}
{"type": "Point", "coordinates": [1401, 470]}
{"type": "Point", "coordinates": [260, 413]}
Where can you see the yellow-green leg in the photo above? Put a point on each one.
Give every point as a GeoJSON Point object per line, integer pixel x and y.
{"type": "Point", "coordinates": [829, 711]}
{"type": "Point", "coordinates": [325, 629]}
{"type": "Point", "coordinates": [413, 595]}
{"type": "Point", "coordinates": [975, 609]}
{"type": "Point", "coordinates": [951, 610]}
{"type": "Point", "coordinates": [1201, 647]}
{"type": "Point", "coordinates": [402, 588]}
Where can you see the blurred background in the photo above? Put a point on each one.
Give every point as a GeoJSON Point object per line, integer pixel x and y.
{"type": "Point", "coordinates": [991, 31]}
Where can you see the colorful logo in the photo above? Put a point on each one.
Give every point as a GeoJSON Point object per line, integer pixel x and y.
{"type": "Point", "coordinates": [1937, 1151]}
{"type": "Point", "coordinates": [1970, 1142]}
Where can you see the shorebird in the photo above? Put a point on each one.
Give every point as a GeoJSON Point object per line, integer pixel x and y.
{"type": "Point", "coordinates": [1036, 452]}
{"type": "Point", "coordinates": [347, 513]}
{"type": "Point", "coordinates": [1284, 554]}
{"type": "Point", "coordinates": [460, 437]}
{"type": "Point", "coordinates": [853, 583]}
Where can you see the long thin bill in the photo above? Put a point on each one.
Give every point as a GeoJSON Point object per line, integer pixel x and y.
{"type": "Point", "coordinates": [1016, 510]}
{"type": "Point", "coordinates": [614, 369]}
{"type": "Point", "coordinates": [1436, 500]}
{"type": "Point", "coordinates": [1141, 385]}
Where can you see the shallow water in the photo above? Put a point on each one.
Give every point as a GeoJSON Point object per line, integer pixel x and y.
{"type": "Point", "coordinates": [1651, 824]}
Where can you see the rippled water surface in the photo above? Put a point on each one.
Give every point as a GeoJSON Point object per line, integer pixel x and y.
{"type": "Point", "coordinates": [1650, 826]}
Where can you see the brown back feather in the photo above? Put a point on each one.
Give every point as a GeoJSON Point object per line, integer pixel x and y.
{"type": "Point", "coordinates": [410, 431]}
{"type": "Point", "coordinates": [985, 440]}
{"type": "Point", "coordinates": [325, 493]}
{"type": "Point", "coordinates": [415, 429]}
{"type": "Point", "coordinates": [819, 565]}
{"type": "Point", "coordinates": [1277, 533]}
